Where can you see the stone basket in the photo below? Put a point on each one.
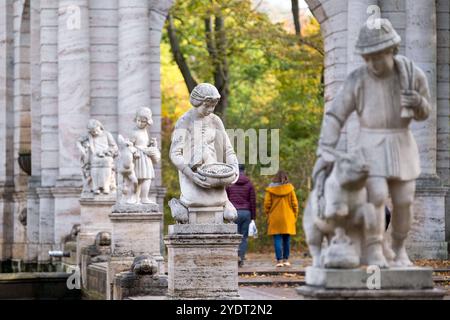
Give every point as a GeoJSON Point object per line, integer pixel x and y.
{"type": "Point", "coordinates": [217, 174]}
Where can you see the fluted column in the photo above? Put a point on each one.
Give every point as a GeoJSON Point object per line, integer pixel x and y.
{"type": "Point", "coordinates": [134, 61]}
{"type": "Point", "coordinates": [427, 236]}
{"type": "Point", "coordinates": [73, 82]}
{"type": "Point", "coordinates": [420, 46]}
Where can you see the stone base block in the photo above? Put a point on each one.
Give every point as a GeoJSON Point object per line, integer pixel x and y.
{"type": "Point", "coordinates": [203, 229]}
{"type": "Point", "coordinates": [205, 215]}
{"type": "Point", "coordinates": [203, 266]}
{"type": "Point", "coordinates": [362, 278]}
{"type": "Point", "coordinates": [368, 283]}
{"type": "Point", "coordinates": [315, 293]}
{"type": "Point", "coordinates": [94, 216]}
{"type": "Point", "coordinates": [136, 232]}
{"type": "Point", "coordinates": [128, 284]}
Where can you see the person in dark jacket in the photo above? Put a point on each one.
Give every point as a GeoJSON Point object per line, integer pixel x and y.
{"type": "Point", "coordinates": [242, 196]}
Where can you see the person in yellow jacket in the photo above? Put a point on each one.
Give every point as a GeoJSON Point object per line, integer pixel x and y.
{"type": "Point", "coordinates": [281, 209]}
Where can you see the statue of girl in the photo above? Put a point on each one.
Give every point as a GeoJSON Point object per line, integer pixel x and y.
{"type": "Point", "coordinates": [146, 157]}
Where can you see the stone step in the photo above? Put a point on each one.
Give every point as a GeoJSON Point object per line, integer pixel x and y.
{"type": "Point", "coordinates": [299, 281]}
{"type": "Point", "coordinates": [248, 271]}
{"type": "Point", "coordinates": [271, 271]}
{"type": "Point", "coordinates": [271, 281]}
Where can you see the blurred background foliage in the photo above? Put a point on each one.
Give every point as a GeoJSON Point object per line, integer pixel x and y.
{"type": "Point", "coordinates": [273, 75]}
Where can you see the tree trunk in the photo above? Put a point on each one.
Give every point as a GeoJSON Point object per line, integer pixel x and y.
{"type": "Point", "coordinates": [296, 16]}
{"type": "Point", "coordinates": [221, 69]}
{"type": "Point", "coordinates": [178, 55]}
{"type": "Point", "coordinates": [216, 44]}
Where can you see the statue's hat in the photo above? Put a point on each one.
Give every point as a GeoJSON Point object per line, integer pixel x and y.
{"type": "Point", "coordinates": [377, 35]}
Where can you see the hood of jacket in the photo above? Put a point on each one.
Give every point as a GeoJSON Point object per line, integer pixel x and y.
{"type": "Point", "coordinates": [243, 179]}
{"type": "Point", "coordinates": [280, 190]}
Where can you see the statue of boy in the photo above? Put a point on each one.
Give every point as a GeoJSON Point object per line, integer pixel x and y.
{"type": "Point", "coordinates": [387, 93]}
{"type": "Point", "coordinates": [200, 139]}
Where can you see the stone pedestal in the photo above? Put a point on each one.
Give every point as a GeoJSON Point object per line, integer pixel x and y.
{"type": "Point", "coordinates": [94, 216]}
{"type": "Point", "coordinates": [202, 257]}
{"type": "Point", "coordinates": [368, 283]}
{"type": "Point", "coordinates": [135, 232]}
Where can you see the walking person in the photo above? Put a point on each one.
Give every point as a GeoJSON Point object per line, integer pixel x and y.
{"type": "Point", "coordinates": [281, 209]}
{"type": "Point", "coordinates": [242, 196]}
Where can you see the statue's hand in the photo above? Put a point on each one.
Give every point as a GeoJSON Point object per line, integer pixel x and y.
{"type": "Point", "coordinates": [321, 167]}
{"type": "Point", "coordinates": [201, 181]}
{"type": "Point", "coordinates": [150, 151]}
{"type": "Point", "coordinates": [196, 178]}
{"type": "Point", "coordinates": [410, 99]}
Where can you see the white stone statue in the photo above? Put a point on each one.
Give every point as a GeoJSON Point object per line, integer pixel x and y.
{"type": "Point", "coordinates": [202, 152]}
{"type": "Point", "coordinates": [138, 155]}
{"type": "Point", "coordinates": [98, 150]}
{"type": "Point", "coordinates": [387, 93]}
{"type": "Point", "coordinates": [128, 181]}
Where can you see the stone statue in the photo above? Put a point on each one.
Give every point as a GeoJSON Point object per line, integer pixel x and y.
{"type": "Point", "coordinates": [137, 157]}
{"type": "Point", "coordinates": [387, 93]}
{"type": "Point", "coordinates": [203, 155]}
{"type": "Point", "coordinates": [100, 251]}
{"type": "Point", "coordinates": [128, 182]}
{"type": "Point", "coordinates": [343, 215]}
{"type": "Point", "coordinates": [72, 237]}
{"type": "Point", "coordinates": [98, 150]}
{"type": "Point", "coordinates": [145, 265]}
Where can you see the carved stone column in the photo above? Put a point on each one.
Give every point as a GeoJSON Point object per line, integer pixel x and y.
{"type": "Point", "coordinates": [427, 237]}
{"type": "Point", "coordinates": [134, 61]}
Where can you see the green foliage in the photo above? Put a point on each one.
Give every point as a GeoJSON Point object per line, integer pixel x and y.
{"type": "Point", "coordinates": [275, 83]}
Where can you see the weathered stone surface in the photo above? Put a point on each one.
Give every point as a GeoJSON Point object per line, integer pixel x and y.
{"type": "Point", "coordinates": [134, 234]}
{"type": "Point", "coordinates": [355, 279]}
{"type": "Point", "coordinates": [94, 219]}
{"type": "Point", "coordinates": [128, 284]}
{"type": "Point", "coordinates": [203, 229]}
{"type": "Point", "coordinates": [314, 293]}
{"type": "Point", "coordinates": [96, 280]}
{"type": "Point", "coordinates": [203, 266]}
{"type": "Point", "coordinates": [135, 208]}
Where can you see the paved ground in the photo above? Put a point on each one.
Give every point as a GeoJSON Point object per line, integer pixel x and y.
{"type": "Point", "coordinates": [268, 293]}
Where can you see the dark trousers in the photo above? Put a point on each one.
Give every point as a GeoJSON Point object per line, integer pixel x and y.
{"type": "Point", "coordinates": [282, 244]}
{"type": "Point", "coordinates": [243, 221]}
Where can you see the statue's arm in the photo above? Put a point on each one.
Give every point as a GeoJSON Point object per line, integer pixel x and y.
{"type": "Point", "coordinates": [176, 149]}
{"type": "Point", "coordinates": [113, 148]}
{"type": "Point", "coordinates": [229, 155]}
{"type": "Point", "coordinates": [335, 117]}
{"type": "Point", "coordinates": [423, 109]}
{"type": "Point", "coordinates": [155, 154]}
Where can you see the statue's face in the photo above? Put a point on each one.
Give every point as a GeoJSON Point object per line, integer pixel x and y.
{"type": "Point", "coordinates": [95, 131]}
{"type": "Point", "coordinates": [141, 122]}
{"type": "Point", "coordinates": [207, 107]}
{"type": "Point", "coordinates": [380, 63]}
